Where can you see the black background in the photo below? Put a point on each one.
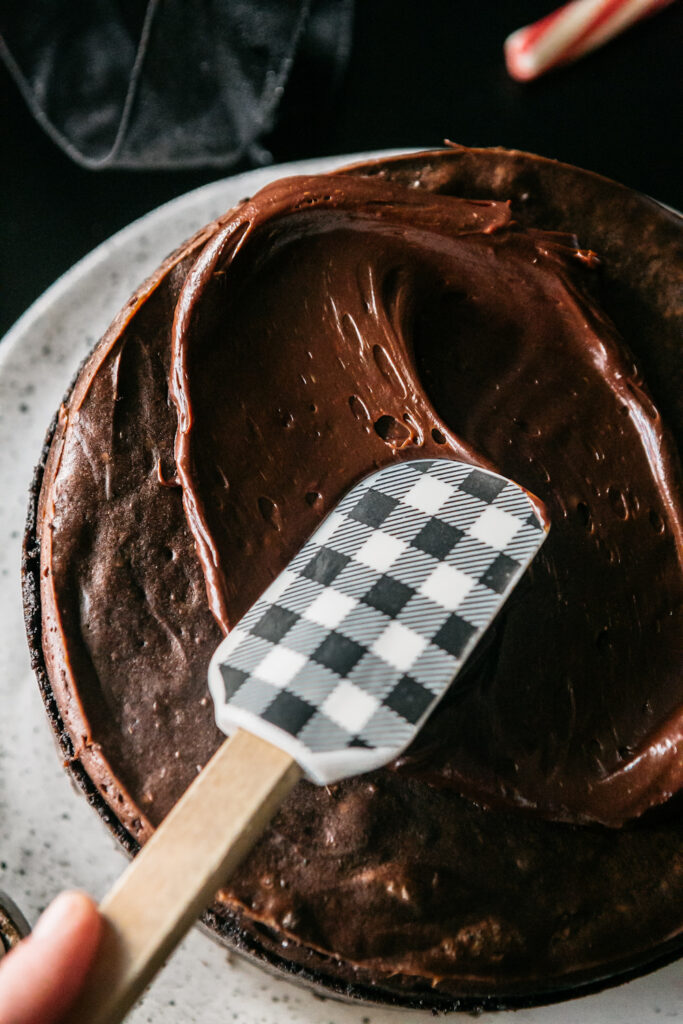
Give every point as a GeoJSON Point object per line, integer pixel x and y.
{"type": "Point", "coordinates": [420, 71]}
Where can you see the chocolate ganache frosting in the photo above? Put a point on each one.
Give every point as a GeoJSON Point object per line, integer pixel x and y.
{"type": "Point", "coordinates": [334, 325]}
{"type": "Point", "coordinates": [322, 329]}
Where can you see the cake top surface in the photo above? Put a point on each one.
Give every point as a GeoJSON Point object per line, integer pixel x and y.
{"type": "Point", "coordinates": [505, 346]}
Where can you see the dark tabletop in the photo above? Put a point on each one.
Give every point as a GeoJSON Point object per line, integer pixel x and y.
{"type": "Point", "coordinates": [419, 71]}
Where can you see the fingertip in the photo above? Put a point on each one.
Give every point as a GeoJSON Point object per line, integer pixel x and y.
{"type": "Point", "coordinates": [72, 915]}
{"type": "Point", "coordinates": [41, 977]}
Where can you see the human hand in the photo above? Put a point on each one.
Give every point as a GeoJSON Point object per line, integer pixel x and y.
{"type": "Point", "coordinates": [41, 977]}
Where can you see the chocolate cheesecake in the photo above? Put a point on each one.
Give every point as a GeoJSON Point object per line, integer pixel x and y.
{"type": "Point", "coordinates": [509, 311]}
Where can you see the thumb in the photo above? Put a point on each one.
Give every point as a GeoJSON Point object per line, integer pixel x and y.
{"type": "Point", "coordinates": [41, 977]}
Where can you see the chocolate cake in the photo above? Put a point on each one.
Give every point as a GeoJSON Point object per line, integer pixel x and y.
{"type": "Point", "coordinates": [501, 308]}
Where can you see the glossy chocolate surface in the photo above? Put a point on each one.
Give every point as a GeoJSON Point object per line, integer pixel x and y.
{"type": "Point", "coordinates": [314, 339]}
{"type": "Point", "coordinates": [330, 336]}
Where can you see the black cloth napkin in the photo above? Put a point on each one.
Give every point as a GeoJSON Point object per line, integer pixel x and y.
{"type": "Point", "coordinates": [169, 84]}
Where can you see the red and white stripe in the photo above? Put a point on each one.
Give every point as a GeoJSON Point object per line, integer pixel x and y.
{"type": "Point", "coordinates": [571, 31]}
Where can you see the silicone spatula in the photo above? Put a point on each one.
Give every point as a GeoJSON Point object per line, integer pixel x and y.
{"type": "Point", "coordinates": [330, 674]}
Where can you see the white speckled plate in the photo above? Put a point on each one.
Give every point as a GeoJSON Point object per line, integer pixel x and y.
{"type": "Point", "coordinates": [49, 837]}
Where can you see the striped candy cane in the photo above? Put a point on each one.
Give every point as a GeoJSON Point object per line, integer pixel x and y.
{"type": "Point", "coordinates": [571, 31]}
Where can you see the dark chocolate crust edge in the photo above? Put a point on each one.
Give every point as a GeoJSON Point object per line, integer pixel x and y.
{"type": "Point", "coordinates": [306, 967]}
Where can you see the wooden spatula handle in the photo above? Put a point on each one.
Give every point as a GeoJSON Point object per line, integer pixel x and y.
{"type": "Point", "coordinates": [201, 842]}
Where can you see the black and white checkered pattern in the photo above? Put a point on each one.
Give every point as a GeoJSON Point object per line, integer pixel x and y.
{"type": "Point", "coordinates": [351, 647]}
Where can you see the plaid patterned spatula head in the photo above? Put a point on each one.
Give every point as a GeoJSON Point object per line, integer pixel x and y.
{"type": "Point", "coordinates": [348, 651]}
